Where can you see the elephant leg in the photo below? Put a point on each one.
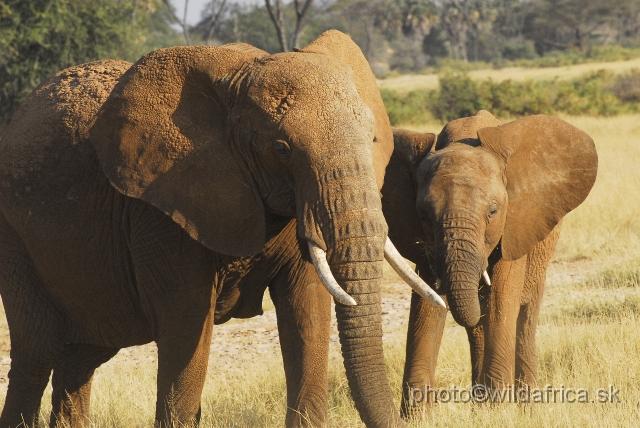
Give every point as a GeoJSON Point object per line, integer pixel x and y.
{"type": "Point", "coordinates": [507, 279]}
{"type": "Point", "coordinates": [537, 263]}
{"type": "Point", "coordinates": [426, 325]}
{"type": "Point", "coordinates": [33, 329]}
{"type": "Point", "coordinates": [183, 356]}
{"type": "Point", "coordinates": [31, 365]}
{"type": "Point", "coordinates": [526, 357]}
{"type": "Point", "coordinates": [71, 382]}
{"type": "Point", "coordinates": [303, 309]}
{"type": "Point", "coordinates": [175, 277]}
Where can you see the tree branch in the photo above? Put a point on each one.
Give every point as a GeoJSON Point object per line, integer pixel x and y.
{"type": "Point", "coordinates": [302, 11]}
{"type": "Point", "coordinates": [215, 18]}
{"type": "Point", "coordinates": [182, 23]}
{"type": "Point", "coordinates": [275, 13]}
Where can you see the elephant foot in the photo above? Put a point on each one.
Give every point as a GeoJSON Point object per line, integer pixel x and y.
{"type": "Point", "coordinates": [417, 402]}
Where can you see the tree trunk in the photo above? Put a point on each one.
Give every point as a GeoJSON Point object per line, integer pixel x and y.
{"type": "Point", "coordinates": [275, 13]}
{"type": "Point", "coordinates": [215, 18]}
{"type": "Point", "coordinates": [302, 13]}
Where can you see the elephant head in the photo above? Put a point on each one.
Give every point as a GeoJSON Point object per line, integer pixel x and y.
{"type": "Point", "coordinates": [478, 186]}
{"type": "Point", "coordinates": [220, 138]}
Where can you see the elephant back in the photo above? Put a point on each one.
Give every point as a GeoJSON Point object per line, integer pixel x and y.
{"type": "Point", "coordinates": [45, 145]}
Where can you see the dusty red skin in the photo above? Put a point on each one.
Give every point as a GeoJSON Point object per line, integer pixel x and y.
{"type": "Point", "coordinates": [122, 205]}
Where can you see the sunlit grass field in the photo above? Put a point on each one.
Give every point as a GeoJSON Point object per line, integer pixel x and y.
{"type": "Point", "coordinates": [409, 82]}
{"type": "Point", "coordinates": [588, 337]}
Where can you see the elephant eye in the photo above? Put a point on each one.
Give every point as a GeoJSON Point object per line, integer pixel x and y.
{"type": "Point", "coordinates": [493, 209]}
{"type": "Point", "coordinates": [282, 148]}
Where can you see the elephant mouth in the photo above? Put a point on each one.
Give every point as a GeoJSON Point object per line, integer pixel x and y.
{"type": "Point", "coordinates": [485, 277]}
{"type": "Point", "coordinates": [391, 254]}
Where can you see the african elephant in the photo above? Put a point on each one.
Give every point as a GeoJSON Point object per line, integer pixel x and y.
{"type": "Point", "coordinates": [479, 210]}
{"type": "Point", "coordinates": [303, 309]}
{"type": "Point", "coordinates": [516, 285]}
{"type": "Point", "coordinates": [129, 193]}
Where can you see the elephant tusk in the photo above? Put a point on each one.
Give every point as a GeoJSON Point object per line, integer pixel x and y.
{"type": "Point", "coordinates": [486, 278]}
{"type": "Point", "coordinates": [319, 259]}
{"type": "Point", "coordinates": [401, 267]}
{"type": "Point", "coordinates": [438, 283]}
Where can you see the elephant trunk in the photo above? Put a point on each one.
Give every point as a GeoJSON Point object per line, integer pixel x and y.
{"type": "Point", "coordinates": [462, 265]}
{"type": "Point", "coordinates": [358, 269]}
{"type": "Point", "coordinates": [360, 332]}
{"type": "Point", "coordinates": [355, 231]}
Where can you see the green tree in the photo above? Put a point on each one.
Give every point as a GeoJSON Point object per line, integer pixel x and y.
{"type": "Point", "coordinates": [40, 37]}
{"type": "Point", "coordinates": [575, 24]}
{"type": "Point", "coordinates": [250, 24]}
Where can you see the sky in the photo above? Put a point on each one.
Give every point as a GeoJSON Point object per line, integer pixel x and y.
{"type": "Point", "coordinates": [196, 6]}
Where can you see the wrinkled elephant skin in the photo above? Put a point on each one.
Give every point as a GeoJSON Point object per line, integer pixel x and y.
{"type": "Point", "coordinates": [131, 194]}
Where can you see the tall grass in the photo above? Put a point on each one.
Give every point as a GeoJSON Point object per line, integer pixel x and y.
{"type": "Point", "coordinates": [606, 227]}
{"type": "Point", "coordinates": [587, 338]}
{"type": "Point", "coordinates": [591, 354]}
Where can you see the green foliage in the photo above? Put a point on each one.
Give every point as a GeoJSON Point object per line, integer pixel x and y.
{"type": "Point", "coordinates": [410, 108]}
{"type": "Point", "coordinates": [627, 87]}
{"type": "Point", "coordinates": [40, 37]}
{"type": "Point", "coordinates": [515, 50]}
{"type": "Point", "coordinates": [612, 53]}
{"type": "Point", "coordinates": [250, 24]}
{"type": "Point", "coordinates": [599, 93]}
{"type": "Point", "coordinates": [588, 96]}
{"type": "Point", "coordinates": [508, 98]}
{"type": "Point", "coordinates": [458, 97]}
{"type": "Point", "coordinates": [514, 55]}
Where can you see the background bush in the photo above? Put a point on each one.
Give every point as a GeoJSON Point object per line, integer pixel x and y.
{"type": "Point", "coordinates": [411, 107]}
{"type": "Point", "coordinates": [598, 93]}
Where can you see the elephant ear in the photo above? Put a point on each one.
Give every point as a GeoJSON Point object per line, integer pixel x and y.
{"type": "Point", "coordinates": [163, 136]}
{"type": "Point", "coordinates": [411, 146]}
{"type": "Point", "coordinates": [338, 45]}
{"type": "Point", "coordinates": [550, 168]}
{"type": "Point", "coordinates": [399, 191]}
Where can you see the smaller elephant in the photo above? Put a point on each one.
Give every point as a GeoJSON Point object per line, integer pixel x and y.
{"type": "Point", "coordinates": [483, 200]}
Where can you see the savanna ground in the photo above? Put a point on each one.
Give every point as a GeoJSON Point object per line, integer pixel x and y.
{"type": "Point", "coordinates": [587, 337]}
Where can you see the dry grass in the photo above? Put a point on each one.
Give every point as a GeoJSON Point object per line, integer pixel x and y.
{"type": "Point", "coordinates": [587, 336]}
{"type": "Point", "coordinates": [410, 82]}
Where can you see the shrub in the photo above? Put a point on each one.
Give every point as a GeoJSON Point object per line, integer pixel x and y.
{"type": "Point", "coordinates": [514, 50]}
{"type": "Point", "coordinates": [588, 95]}
{"type": "Point", "coordinates": [410, 108]}
{"type": "Point", "coordinates": [599, 93]}
{"type": "Point", "coordinates": [627, 86]}
{"type": "Point", "coordinates": [458, 97]}
{"type": "Point", "coordinates": [612, 53]}
{"type": "Point", "coordinates": [509, 98]}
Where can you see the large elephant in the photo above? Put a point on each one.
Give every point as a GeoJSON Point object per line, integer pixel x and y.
{"type": "Point", "coordinates": [130, 194]}
{"type": "Point", "coordinates": [479, 210]}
